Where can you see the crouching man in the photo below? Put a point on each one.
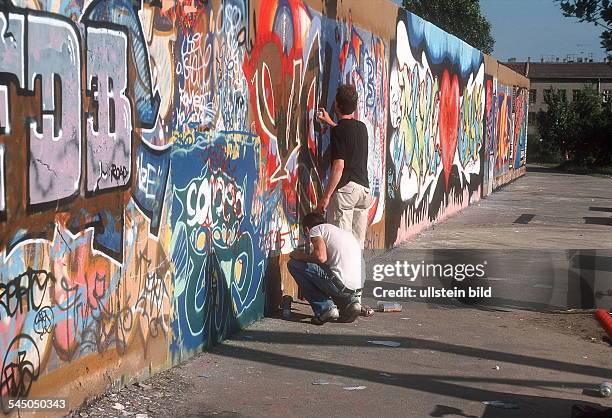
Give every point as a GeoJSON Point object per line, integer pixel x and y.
{"type": "Point", "coordinates": [330, 274]}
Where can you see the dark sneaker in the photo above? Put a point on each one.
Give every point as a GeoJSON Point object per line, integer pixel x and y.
{"type": "Point", "coordinates": [366, 311]}
{"type": "Point", "coordinates": [329, 315]}
{"type": "Point", "coordinates": [286, 306]}
{"type": "Point", "coordinates": [350, 313]}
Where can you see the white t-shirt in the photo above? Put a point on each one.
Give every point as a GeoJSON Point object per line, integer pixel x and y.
{"type": "Point", "coordinates": [343, 254]}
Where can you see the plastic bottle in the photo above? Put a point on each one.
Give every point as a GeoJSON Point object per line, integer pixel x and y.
{"type": "Point", "coordinates": [605, 389]}
{"type": "Point", "coordinates": [383, 306]}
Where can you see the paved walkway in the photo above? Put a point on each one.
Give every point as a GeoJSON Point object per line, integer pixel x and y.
{"type": "Point", "coordinates": [569, 211]}
{"type": "Point", "coordinates": [451, 357]}
{"type": "Point", "coordinates": [547, 238]}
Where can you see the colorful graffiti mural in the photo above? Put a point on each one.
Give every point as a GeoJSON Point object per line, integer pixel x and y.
{"type": "Point", "coordinates": [155, 157]}
{"type": "Point", "coordinates": [505, 131]}
{"type": "Point", "coordinates": [215, 246]}
{"type": "Point", "coordinates": [436, 123]}
{"type": "Point", "coordinates": [95, 253]}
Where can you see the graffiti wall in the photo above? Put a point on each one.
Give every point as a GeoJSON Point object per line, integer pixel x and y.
{"type": "Point", "coordinates": [506, 110]}
{"type": "Point", "coordinates": [132, 184]}
{"type": "Point", "coordinates": [355, 56]}
{"type": "Point", "coordinates": [436, 114]}
{"type": "Point", "coordinates": [156, 160]}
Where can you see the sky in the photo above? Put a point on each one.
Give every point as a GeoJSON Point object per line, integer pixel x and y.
{"type": "Point", "coordinates": [532, 28]}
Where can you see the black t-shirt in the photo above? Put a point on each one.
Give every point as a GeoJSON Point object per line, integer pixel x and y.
{"type": "Point", "coordinates": [349, 142]}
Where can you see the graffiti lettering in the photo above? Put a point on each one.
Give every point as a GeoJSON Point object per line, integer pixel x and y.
{"type": "Point", "coordinates": [56, 141]}
{"type": "Point", "coordinates": [109, 139]}
{"type": "Point", "coordinates": [151, 301]}
{"type": "Point", "coordinates": [437, 116]}
{"type": "Point", "coordinates": [2, 186]}
{"type": "Point", "coordinates": [20, 368]}
{"type": "Point", "coordinates": [152, 168]}
{"type": "Point", "coordinates": [25, 292]}
{"type": "Point", "coordinates": [11, 46]}
{"type": "Point", "coordinates": [55, 147]}
{"type": "Point", "coordinates": [43, 321]}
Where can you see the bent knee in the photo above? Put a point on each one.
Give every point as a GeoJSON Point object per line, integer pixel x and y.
{"type": "Point", "coordinates": [293, 265]}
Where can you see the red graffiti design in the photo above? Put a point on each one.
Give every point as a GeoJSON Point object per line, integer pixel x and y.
{"type": "Point", "coordinates": [449, 121]}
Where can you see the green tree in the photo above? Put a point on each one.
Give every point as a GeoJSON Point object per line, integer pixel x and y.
{"type": "Point", "coordinates": [462, 18]}
{"type": "Point", "coordinates": [581, 131]}
{"type": "Point", "coordinates": [557, 124]}
{"type": "Point", "coordinates": [592, 126]}
{"type": "Point", "coordinates": [598, 12]}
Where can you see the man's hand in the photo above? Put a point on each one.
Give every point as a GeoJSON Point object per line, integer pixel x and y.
{"type": "Point", "coordinates": [297, 255]}
{"type": "Point", "coordinates": [323, 116]}
{"type": "Point", "coordinates": [323, 204]}
{"type": "Point", "coordinates": [318, 255]}
{"type": "Point", "coordinates": [336, 174]}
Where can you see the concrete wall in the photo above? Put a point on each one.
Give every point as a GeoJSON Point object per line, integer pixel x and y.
{"type": "Point", "coordinates": [156, 160]}
{"type": "Point", "coordinates": [506, 125]}
{"type": "Point", "coordinates": [457, 127]}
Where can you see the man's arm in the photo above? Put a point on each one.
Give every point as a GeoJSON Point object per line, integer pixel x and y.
{"type": "Point", "coordinates": [334, 178]}
{"type": "Point", "coordinates": [319, 254]}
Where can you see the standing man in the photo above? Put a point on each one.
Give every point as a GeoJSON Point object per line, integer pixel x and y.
{"type": "Point", "coordinates": [347, 196]}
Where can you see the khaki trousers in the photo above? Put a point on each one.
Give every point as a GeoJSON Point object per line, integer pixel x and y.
{"type": "Point", "coordinates": [348, 209]}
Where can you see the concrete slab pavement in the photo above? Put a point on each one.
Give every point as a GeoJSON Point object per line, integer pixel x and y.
{"type": "Point", "coordinates": [570, 211]}
{"type": "Point", "coordinates": [547, 238]}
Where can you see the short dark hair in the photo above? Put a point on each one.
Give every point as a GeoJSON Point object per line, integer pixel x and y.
{"type": "Point", "coordinates": [346, 99]}
{"type": "Point", "coordinates": [312, 219]}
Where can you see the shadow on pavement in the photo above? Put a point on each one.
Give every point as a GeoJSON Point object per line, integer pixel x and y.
{"type": "Point", "coordinates": [445, 385]}
{"type": "Point", "coordinates": [417, 343]}
{"type": "Point", "coordinates": [443, 411]}
{"type": "Point", "coordinates": [599, 209]}
{"type": "Point", "coordinates": [596, 220]}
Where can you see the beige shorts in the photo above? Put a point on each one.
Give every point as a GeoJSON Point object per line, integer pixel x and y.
{"type": "Point", "coordinates": [348, 209]}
